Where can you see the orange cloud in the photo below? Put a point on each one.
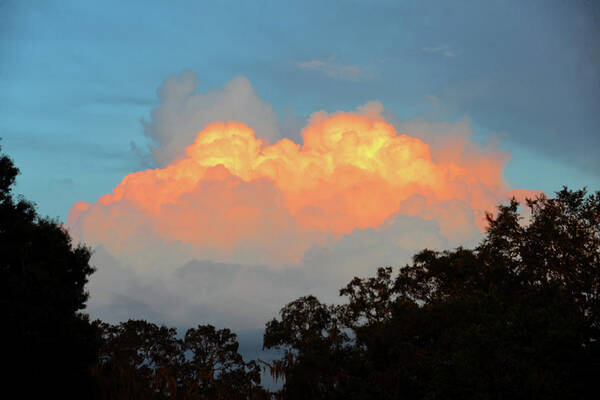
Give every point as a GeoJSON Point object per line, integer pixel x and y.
{"type": "Point", "coordinates": [233, 191]}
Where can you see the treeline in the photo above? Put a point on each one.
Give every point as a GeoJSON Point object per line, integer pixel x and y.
{"type": "Point", "coordinates": [518, 317]}
{"type": "Point", "coordinates": [140, 360]}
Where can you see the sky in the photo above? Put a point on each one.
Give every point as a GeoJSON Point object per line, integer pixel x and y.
{"type": "Point", "coordinates": [507, 93]}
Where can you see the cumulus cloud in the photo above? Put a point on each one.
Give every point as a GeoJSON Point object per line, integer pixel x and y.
{"type": "Point", "coordinates": [183, 112]}
{"type": "Point", "coordinates": [235, 197]}
{"type": "Point", "coordinates": [234, 225]}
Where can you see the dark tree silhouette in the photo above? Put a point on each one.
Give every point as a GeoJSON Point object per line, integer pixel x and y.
{"type": "Point", "coordinates": [517, 317]}
{"type": "Point", "coordinates": [314, 348]}
{"type": "Point", "coordinates": [216, 370]}
{"type": "Point", "coordinates": [48, 344]}
{"type": "Point", "coordinates": [140, 360]}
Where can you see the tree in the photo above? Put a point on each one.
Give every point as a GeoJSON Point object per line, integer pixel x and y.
{"type": "Point", "coordinates": [49, 345]}
{"type": "Point", "coordinates": [140, 360]}
{"type": "Point", "coordinates": [516, 317]}
{"type": "Point", "coordinates": [216, 370]}
{"type": "Point", "coordinates": [314, 346]}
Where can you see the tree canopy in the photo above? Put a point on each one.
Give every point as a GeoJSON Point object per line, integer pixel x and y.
{"type": "Point", "coordinates": [140, 360]}
{"type": "Point", "coordinates": [49, 345]}
{"type": "Point", "coordinates": [516, 317]}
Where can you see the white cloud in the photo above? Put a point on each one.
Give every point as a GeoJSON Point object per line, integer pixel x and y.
{"type": "Point", "coordinates": [333, 69]}
{"type": "Point", "coordinates": [183, 112]}
{"type": "Point", "coordinates": [314, 64]}
{"type": "Point", "coordinates": [445, 50]}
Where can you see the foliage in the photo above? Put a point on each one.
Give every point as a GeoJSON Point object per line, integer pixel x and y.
{"type": "Point", "coordinates": [516, 317]}
{"type": "Point", "coordinates": [140, 360]}
{"type": "Point", "coordinates": [314, 345]}
{"type": "Point", "coordinates": [42, 290]}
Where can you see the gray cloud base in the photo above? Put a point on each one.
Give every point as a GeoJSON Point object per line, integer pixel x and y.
{"type": "Point", "coordinates": [244, 297]}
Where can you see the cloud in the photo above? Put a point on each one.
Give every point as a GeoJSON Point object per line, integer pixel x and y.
{"type": "Point", "coordinates": [239, 199]}
{"type": "Point", "coordinates": [333, 69]}
{"type": "Point", "coordinates": [445, 50]}
{"type": "Point", "coordinates": [244, 297]}
{"type": "Point", "coordinates": [313, 64]}
{"type": "Point", "coordinates": [235, 226]}
{"type": "Point", "coordinates": [183, 112]}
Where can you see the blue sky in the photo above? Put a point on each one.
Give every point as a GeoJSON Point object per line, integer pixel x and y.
{"type": "Point", "coordinates": [77, 77]}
